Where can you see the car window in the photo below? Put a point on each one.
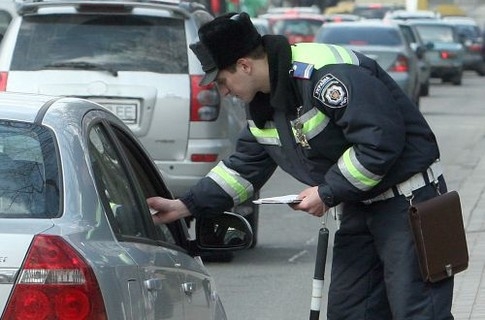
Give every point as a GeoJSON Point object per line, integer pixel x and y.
{"type": "Point", "coordinates": [470, 32]}
{"type": "Point", "coordinates": [119, 42]}
{"type": "Point", "coordinates": [29, 180]}
{"type": "Point", "coordinates": [113, 184]}
{"type": "Point", "coordinates": [431, 33]}
{"type": "Point", "coordinates": [146, 181]}
{"type": "Point", "coordinates": [360, 36]}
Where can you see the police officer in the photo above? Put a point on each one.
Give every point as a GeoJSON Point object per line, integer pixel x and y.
{"type": "Point", "coordinates": [336, 121]}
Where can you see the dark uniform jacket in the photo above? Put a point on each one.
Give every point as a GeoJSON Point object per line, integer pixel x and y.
{"type": "Point", "coordinates": [334, 119]}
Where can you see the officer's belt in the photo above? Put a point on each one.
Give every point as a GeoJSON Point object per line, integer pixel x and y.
{"type": "Point", "coordinates": [407, 187]}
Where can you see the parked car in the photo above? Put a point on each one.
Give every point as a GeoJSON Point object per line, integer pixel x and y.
{"type": "Point", "coordinates": [419, 47]}
{"type": "Point", "coordinates": [382, 42]}
{"type": "Point", "coordinates": [132, 57]}
{"type": "Point", "coordinates": [77, 239]}
{"type": "Point", "coordinates": [445, 52]}
{"type": "Point", "coordinates": [296, 26]}
{"type": "Point", "coordinates": [470, 35]}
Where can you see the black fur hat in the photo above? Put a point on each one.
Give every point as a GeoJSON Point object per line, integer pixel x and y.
{"type": "Point", "coordinates": [229, 37]}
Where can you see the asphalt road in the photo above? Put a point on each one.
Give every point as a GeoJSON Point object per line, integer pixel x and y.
{"type": "Point", "coordinates": [273, 280]}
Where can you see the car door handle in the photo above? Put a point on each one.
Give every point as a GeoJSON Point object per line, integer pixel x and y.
{"type": "Point", "coordinates": [188, 287]}
{"type": "Point", "coordinates": [154, 284]}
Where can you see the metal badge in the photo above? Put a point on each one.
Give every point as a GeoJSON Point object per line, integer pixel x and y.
{"type": "Point", "coordinates": [298, 129]}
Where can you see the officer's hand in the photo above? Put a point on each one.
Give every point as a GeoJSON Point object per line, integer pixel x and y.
{"type": "Point", "coordinates": [311, 202]}
{"type": "Point", "coordinates": [167, 210]}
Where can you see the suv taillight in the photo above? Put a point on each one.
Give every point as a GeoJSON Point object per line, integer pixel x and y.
{"type": "Point", "coordinates": [204, 101]}
{"type": "Point", "coordinates": [400, 65]}
{"type": "Point", "coordinates": [55, 282]}
{"type": "Point", "coordinates": [3, 81]}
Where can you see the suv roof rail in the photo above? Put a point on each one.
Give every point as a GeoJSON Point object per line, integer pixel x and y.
{"type": "Point", "coordinates": [31, 6]}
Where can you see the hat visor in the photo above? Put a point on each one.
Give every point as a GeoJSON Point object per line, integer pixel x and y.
{"type": "Point", "coordinates": [209, 77]}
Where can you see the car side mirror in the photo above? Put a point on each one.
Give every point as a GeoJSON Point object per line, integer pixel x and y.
{"type": "Point", "coordinates": [225, 232]}
{"type": "Point", "coordinates": [420, 51]}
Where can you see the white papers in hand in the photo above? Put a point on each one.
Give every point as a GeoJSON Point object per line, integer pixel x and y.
{"type": "Point", "coordinates": [291, 198]}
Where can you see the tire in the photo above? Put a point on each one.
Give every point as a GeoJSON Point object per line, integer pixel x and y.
{"type": "Point", "coordinates": [250, 212]}
{"type": "Point", "coordinates": [424, 91]}
{"type": "Point", "coordinates": [481, 69]}
{"type": "Point", "coordinates": [456, 79]}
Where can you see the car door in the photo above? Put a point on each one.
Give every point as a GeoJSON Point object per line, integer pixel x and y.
{"type": "Point", "coordinates": [197, 285]}
{"type": "Point", "coordinates": [173, 283]}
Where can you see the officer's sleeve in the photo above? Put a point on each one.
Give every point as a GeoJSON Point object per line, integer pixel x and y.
{"type": "Point", "coordinates": [233, 181]}
{"type": "Point", "coordinates": [368, 112]}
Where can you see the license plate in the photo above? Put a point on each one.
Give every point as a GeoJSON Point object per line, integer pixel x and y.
{"type": "Point", "coordinates": [126, 112]}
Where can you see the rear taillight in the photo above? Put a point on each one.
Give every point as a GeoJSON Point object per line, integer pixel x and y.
{"type": "Point", "coordinates": [204, 101]}
{"type": "Point", "coordinates": [400, 65]}
{"type": "Point", "coordinates": [55, 282]}
{"type": "Point", "coordinates": [445, 55]}
{"type": "Point", "coordinates": [475, 47]}
{"type": "Point", "coordinates": [3, 81]}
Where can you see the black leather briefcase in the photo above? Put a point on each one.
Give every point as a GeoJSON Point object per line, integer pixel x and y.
{"type": "Point", "coordinates": [440, 238]}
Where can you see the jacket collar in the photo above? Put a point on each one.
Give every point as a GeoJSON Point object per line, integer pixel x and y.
{"type": "Point", "coordinates": [281, 96]}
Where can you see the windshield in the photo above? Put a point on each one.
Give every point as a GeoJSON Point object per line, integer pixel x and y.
{"type": "Point", "coordinates": [29, 178]}
{"type": "Point", "coordinates": [116, 43]}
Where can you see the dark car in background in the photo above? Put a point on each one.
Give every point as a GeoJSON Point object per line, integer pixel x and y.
{"type": "Point", "coordinates": [445, 50]}
{"type": "Point", "coordinates": [383, 42]}
{"type": "Point", "coordinates": [470, 35]}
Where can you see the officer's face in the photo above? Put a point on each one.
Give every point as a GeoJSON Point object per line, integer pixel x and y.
{"type": "Point", "coordinates": [239, 82]}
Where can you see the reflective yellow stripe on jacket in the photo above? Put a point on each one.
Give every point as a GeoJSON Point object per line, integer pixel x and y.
{"type": "Point", "coordinates": [320, 55]}
{"type": "Point", "coordinates": [356, 173]}
{"type": "Point", "coordinates": [314, 121]}
{"type": "Point", "coordinates": [268, 135]}
{"type": "Point", "coordinates": [232, 183]}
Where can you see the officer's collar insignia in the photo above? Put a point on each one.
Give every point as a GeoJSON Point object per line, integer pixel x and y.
{"type": "Point", "coordinates": [331, 92]}
{"type": "Point", "coordinates": [302, 70]}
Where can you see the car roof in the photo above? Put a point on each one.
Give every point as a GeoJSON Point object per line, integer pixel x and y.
{"type": "Point", "coordinates": [177, 6]}
{"type": "Point", "coordinates": [29, 107]}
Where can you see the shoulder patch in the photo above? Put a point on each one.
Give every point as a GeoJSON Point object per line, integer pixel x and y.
{"type": "Point", "coordinates": [331, 92]}
{"type": "Point", "coordinates": [302, 70]}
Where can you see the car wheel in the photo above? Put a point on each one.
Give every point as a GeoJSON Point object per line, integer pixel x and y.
{"type": "Point", "coordinates": [424, 91]}
{"type": "Point", "coordinates": [456, 79]}
{"type": "Point", "coordinates": [250, 212]}
{"type": "Point", "coordinates": [481, 69]}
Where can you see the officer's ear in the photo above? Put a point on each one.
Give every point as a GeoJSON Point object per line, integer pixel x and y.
{"type": "Point", "coordinates": [245, 65]}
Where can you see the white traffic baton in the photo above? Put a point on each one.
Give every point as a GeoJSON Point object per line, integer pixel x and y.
{"type": "Point", "coordinates": [319, 273]}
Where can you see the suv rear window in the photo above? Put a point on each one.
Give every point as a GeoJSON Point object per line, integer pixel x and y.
{"type": "Point", "coordinates": [29, 178]}
{"type": "Point", "coordinates": [116, 42]}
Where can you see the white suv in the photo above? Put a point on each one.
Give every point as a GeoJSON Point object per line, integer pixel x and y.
{"type": "Point", "coordinates": [132, 57]}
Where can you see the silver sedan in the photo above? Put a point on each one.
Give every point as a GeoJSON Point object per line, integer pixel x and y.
{"type": "Point", "coordinates": [77, 240]}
